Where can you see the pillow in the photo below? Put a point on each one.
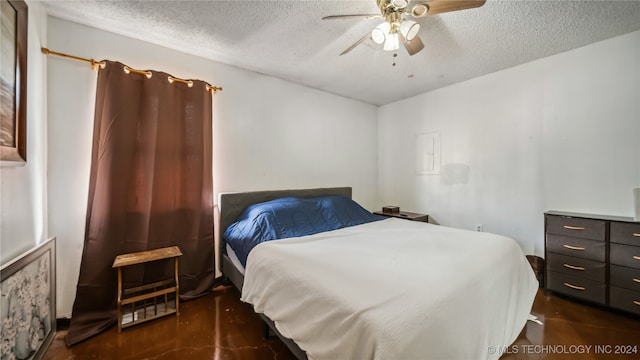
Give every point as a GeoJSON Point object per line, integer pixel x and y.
{"type": "Point", "coordinates": [291, 217]}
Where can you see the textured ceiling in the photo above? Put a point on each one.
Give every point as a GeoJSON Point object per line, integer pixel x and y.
{"type": "Point", "coordinates": [289, 39]}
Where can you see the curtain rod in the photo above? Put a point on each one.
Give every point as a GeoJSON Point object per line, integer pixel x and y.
{"type": "Point", "coordinates": [102, 64]}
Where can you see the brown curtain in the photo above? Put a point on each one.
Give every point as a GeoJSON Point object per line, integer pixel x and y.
{"type": "Point", "coordinates": [150, 186]}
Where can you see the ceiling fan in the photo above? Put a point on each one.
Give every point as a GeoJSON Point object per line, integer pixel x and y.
{"type": "Point", "coordinates": [396, 30]}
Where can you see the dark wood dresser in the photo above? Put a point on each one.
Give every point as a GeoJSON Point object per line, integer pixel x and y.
{"type": "Point", "coordinates": [594, 258]}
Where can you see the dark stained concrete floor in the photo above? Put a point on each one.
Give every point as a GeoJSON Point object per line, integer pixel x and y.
{"type": "Point", "coordinates": [220, 326]}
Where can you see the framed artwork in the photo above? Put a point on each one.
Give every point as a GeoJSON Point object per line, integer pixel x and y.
{"type": "Point", "coordinates": [27, 303]}
{"type": "Point", "coordinates": [13, 78]}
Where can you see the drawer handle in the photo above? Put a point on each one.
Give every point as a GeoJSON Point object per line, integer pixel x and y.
{"type": "Point", "coordinates": [573, 267]}
{"type": "Point", "coordinates": [575, 248]}
{"type": "Point", "coordinates": [574, 287]}
{"type": "Point", "coordinates": [636, 280]}
{"type": "Point", "coordinates": [637, 303]}
{"type": "Point", "coordinates": [636, 234]}
{"type": "Point", "coordinates": [636, 257]}
{"type": "Point", "coordinates": [573, 227]}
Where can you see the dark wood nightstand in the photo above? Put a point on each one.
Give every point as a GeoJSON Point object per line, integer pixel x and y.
{"type": "Point", "coordinates": [405, 215]}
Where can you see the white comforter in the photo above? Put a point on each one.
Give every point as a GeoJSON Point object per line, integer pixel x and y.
{"type": "Point", "coordinates": [393, 289]}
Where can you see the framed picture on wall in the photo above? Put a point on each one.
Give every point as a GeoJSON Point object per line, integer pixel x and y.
{"type": "Point", "coordinates": [28, 303]}
{"type": "Point", "coordinates": [13, 78]}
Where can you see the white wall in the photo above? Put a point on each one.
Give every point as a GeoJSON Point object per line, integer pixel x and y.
{"type": "Point", "coordinates": [23, 221]}
{"type": "Point", "coordinates": [268, 133]}
{"type": "Point", "coordinates": [559, 133]}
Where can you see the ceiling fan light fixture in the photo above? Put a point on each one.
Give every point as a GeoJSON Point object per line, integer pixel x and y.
{"type": "Point", "coordinates": [419, 11]}
{"type": "Point", "coordinates": [392, 42]}
{"type": "Point", "coordinates": [409, 29]}
{"type": "Point", "coordinates": [377, 35]}
{"type": "Point", "coordinates": [380, 32]}
{"type": "Point", "coordinates": [399, 4]}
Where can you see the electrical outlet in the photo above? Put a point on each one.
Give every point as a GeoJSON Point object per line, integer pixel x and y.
{"type": "Point", "coordinates": [479, 227]}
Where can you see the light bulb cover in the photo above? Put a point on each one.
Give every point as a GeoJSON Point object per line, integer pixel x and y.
{"type": "Point", "coordinates": [409, 29]}
{"type": "Point", "coordinates": [392, 42]}
{"type": "Point", "coordinates": [419, 10]}
{"type": "Point", "coordinates": [379, 34]}
{"type": "Point", "coordinates": [399, 4]}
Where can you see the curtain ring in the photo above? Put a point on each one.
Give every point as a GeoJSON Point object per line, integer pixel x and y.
{"type": "Point", "coordinates": [128, 70]}
{"type": "Point", "coordinates": [171, 79]}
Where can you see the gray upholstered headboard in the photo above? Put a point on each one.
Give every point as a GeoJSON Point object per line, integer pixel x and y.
{"type": "Point", "coordinates": [232, 204]}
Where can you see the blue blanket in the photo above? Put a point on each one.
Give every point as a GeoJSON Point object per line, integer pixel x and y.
{"type": "Point", "coordinates": [291, 217]}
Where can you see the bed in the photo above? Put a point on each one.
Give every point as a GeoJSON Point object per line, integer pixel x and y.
{"type": "Point", "coordinates": [383, 289]}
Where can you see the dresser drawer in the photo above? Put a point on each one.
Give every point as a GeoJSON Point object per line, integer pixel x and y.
{"type": "Point", "coordinates": [624, 299]}
{"type": "Point", "coordinates": [625, 255]}
{"type": "Point", "coordinates": [586, 249]}
{"type": "Point", "coordinates": [576, 227]}
{"type": "Point", "coordinates": [625, 233]}
{"type": "Point", "coordinates": [569, 265]}
{"type": "Point", "coordinates": [625, 277]}
{"type": "Point", "coordinates": [577, 287]}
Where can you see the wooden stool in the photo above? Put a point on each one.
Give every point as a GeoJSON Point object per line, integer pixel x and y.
{"type": "Point", "coordinates": [137, 296]}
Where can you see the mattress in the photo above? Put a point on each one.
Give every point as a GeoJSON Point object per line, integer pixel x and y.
{"type": "Point", "coordinates": [234, 259]}
{"type": "Point", "coordinates": [393, 289]}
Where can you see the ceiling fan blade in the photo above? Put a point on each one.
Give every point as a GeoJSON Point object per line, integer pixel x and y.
{"type": "Point", "coordinates": [443, 6]}
{"type": "Point", "coordinates": [364, 38]}
{"type": "Point", "coordinates": [414, 46]}
{"type": "Point", "coordinates": [367, 16]}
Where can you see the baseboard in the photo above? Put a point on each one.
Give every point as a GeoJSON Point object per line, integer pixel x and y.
{"type": "Point", "coordinates": [63, 324]}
